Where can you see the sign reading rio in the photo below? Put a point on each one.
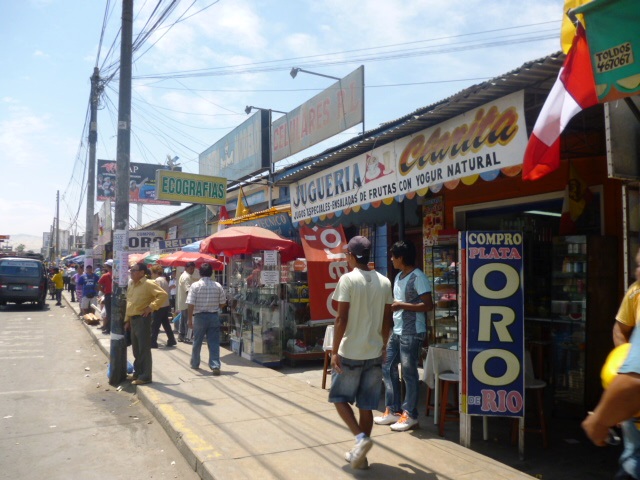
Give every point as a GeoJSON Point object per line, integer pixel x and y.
{"type": "Point", "coordinates": [493, 374]}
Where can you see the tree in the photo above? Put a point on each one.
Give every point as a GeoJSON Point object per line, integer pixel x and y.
{"type": "Point", "coordinates": [20, 248]}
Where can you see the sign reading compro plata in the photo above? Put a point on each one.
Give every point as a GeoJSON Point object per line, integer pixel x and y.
{"type": "Point", "coordinates": [191, 188]}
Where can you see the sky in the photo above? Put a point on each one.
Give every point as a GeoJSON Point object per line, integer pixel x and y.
{"type": "Point", "coordinates": [194, 75]}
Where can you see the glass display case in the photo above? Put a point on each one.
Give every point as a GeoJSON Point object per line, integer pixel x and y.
{"type": "Point", "coordinates": [255, 307]}
{"type": "Point", "coordinates": [303, 338]}
{"type": "Point", "coordinates": [442, 269]}
{"type": "Point", "coordinates": [584, 303]}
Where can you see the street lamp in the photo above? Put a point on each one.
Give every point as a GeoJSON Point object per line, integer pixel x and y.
{"type": "Point", "coordinates": [295, 70]}
{"type": "Point", "coordinates": [270, 110]}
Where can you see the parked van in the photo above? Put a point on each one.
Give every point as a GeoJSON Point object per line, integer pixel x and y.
{"type": "Point", "coordinates": [22, 279]}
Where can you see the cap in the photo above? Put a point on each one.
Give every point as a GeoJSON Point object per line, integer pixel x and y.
{"type": "Point", "coordinates": [190, 264]}
{"type": "Point", "coordinates": [109, 263]}
{"type": "Point", "coordinates": [358, 246]}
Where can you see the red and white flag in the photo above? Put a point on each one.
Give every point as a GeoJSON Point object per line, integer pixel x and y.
{"type": "Point", "coordinates": [573, 91]}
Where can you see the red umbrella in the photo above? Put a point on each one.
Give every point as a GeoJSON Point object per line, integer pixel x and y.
{"type": "Point", "coordinates": [239, 240]}
{"type": "Point", "coordinates": [180, 259]}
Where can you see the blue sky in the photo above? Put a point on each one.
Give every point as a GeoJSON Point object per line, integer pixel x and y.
{"type": "Point", "coordinates": [415, 52]}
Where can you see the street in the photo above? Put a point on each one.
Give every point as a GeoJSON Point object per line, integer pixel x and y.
{"type": "Point", "coordinates": [59, 416]}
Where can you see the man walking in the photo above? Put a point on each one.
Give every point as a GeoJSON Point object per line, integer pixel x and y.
{"type": "Point", "coordinates": [184, 283]}
{"type": "Point", "coordinates": [361, 330]}
{"type": "Point", "coordinates": [105, 284]}
{"type": "Point", "coordinates": [204, 300]}
{"type": "Point", "coordinates": [412, 299]}
{"type": "Point", "coordinates": [89, 283]}
{"type": "Point", "coordinates": [58, 281]}
{"type": "Point", "coordinates": [143, 297]}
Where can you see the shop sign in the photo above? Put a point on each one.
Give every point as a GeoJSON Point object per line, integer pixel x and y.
{"type": "Point", "coordinates": [326, 263]}
{"type": "Point", "coordinates": [168, 246]}
{"type": "Point", "coordinates": [241, 153]}
{"type": "Point", "coordinates": [191, 188]}
{"type": "Point", "coordinates": [334, 110]}
{"type": "Point", "coordinates": [488, 138]}
{"type": "Point", "coordinates": [279, 223]}
{"type": "Point", "coordinates": [493, 324]}
{"type": "Point", "coordinates": [140, 241]}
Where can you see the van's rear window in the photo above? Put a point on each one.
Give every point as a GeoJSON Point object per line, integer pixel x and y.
{"type": "Point", "coordinates": [20, 269]}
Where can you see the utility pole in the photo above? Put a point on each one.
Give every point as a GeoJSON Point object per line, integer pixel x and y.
{"type": "Point", "coordinates": [96, 90]}
{"type": "Point", "coordinates": [57, 250]}
{"type": "Point", "coordinates": [118, 350]}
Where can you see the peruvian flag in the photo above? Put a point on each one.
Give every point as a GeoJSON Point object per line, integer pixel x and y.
{"type": "Point", "coordinates": [222, 215]}
{"type": "Point", "coordinates": [573, 91]}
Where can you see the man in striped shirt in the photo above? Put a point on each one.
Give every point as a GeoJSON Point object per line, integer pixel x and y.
{"type": "Point", "coordinates": [204, 300]}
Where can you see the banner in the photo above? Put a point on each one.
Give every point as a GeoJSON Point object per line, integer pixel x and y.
{"type": "Point", "coordinates": [326, 262]}
{"type": "Point", "coordinates": [105, 223]}
{"type": "Point", "coordinates": [614, 42]}
{"type": "Point", "coordinates": [493, 324]}
{"type": "Point", "coordinates": [482, 142]}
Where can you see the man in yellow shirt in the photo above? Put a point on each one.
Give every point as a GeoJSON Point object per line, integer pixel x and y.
{"type": "Point", "coordinates": [143, 297]}
{"type": "Point", "coordinates": [58, 280]}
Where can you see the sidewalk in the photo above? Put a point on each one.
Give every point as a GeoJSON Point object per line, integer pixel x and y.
{"type": "Point", "coordinates": [257, 422]}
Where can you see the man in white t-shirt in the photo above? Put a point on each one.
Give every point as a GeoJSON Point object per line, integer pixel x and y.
{"type": "Point", "coordinates": [361, 330]}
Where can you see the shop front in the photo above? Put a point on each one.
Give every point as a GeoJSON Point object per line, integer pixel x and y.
{"type": "Point", "coordinates": [464, 174]}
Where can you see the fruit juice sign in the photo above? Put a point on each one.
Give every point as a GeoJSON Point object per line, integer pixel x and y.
{"type": "Point", "coordinates": [493, 340]}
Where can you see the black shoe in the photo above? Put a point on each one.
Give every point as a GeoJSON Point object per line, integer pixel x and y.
{"type": "Point", "coordinates": [171, 344]}
{"type": "Point", "coordinates": [154, 346]}
{"type": "Point", "coordinates": [181, 338]}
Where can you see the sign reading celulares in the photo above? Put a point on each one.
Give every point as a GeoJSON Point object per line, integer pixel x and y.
{"type": "Point", "coordinates": [191, 188]}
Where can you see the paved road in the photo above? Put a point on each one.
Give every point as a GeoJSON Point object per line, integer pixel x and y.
{"type": "Point", "coordinates": [60, 418]}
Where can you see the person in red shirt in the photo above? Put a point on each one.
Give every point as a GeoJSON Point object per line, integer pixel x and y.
{"type": "Point", "coordinates": [105, 284]}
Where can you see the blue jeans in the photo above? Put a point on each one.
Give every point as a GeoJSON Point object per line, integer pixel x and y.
{"type": "Point", "coordinates": [206, 324]}
{"type": "Point", "coordinates": [403, 350]}
{"type": "Point", "coordinates": [359, 382]}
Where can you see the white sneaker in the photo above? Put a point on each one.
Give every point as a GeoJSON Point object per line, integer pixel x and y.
{"type": "Point", "coordinates": [365, 465]}
{"type": "Point", "coordinates": [358, 454]}
{"type": "Point", "coordinates": [387, 418]}
{"type": "Point", "coordinates": [405, 423]}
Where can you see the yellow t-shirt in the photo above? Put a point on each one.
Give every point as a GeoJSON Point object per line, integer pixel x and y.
{"type": "Point", "coordinates": [143, 294]}
{"type": "Point", "coordinates": [58, 280]}
{"type": "Point", "coordinates": [629, 311]}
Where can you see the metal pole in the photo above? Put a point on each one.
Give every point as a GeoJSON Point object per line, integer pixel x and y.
{"type": "Point", "coordinates": [93, 140]}
{"type": "Point", "coordinates": [57, 250]}
{"type": "Point", "coordinates": [118, 350]}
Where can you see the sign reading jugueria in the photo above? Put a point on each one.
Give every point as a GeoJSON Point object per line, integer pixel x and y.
{"type": "Point", "coordinates": [489, 138]}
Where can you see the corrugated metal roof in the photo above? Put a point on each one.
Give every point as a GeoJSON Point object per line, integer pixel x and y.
{"type": "Point", "coordinates": [536, 76]}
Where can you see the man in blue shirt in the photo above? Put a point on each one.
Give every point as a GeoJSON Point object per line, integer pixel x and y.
{"type": "Point", "coordinates": [89, 284]}
{"type": "Point", "coordinates": [412, 299]}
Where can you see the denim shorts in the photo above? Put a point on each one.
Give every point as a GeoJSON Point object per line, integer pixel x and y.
{"type": "Point", "coordinates": [359, 382]}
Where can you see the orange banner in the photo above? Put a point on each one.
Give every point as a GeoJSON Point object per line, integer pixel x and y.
{"type": "Point", "coordinates": [326, 262]}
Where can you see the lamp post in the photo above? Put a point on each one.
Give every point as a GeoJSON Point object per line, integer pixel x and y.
{"type": "Point", "coordinates": [248, 110]}
{"type": "Point", "coordinates": [295, 70]}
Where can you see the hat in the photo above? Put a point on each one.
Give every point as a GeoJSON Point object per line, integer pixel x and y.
{"type": "Point", "coordinates": [358, 246]}
{"type": "Point", "coordinates": [109, 263]}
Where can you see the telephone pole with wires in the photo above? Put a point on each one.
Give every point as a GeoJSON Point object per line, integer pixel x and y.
{"type": "Point", "coordinates": [118, 349]}
{"type": "Point", "coordinates": [96, 91]}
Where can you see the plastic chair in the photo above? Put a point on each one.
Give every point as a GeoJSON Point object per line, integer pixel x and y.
{"type": "Point", "coordinates": [537, 385]}
{"type": "Point", "coordinates": [327, 346]}
{"type": "Point", "coordinates": [444, 380]}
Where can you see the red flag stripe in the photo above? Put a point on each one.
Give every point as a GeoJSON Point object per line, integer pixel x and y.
{"type": "Point", "coordinates": [573, 91]}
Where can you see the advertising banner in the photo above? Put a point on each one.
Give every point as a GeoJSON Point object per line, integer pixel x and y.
{"type": "Point", "coordinates": [614, 44]}
{"type": "Point", "coordinates": [480, 142]}
{"type": "Point", "coordinates": [241, 153]}
{"type": "Point", "coordinates": [326, 262]}
{"type": "Point", "coordinates": [142, 182]}
{"type": "Point", "coordinates": [493, 324]}
{"type": "Point", "coordinates": [191, 188]}
{"type": "Point", "coordinates": [339, 107]}
{"type": "Point", "coordinates": [169, 246]}
{"type": "Point", "coordinates": [105, 223]}
{"type": "Point", "coordinates": [279, 223]}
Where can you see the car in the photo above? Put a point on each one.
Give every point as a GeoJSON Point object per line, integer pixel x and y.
{"type": "Point", "coordinates": [23, 279]}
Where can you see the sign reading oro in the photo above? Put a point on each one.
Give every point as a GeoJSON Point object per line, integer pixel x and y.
{"type": "Point", "coordinates": [191, 188]}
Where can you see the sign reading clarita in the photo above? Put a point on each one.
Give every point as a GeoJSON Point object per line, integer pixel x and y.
{"type": "Point", "coordinates": [483, 141]}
